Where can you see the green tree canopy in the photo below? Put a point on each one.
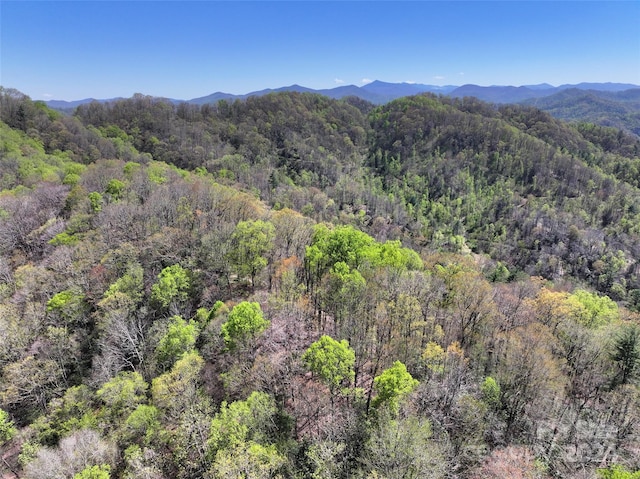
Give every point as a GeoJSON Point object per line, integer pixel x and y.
{"type": "Point", "coordinates": [180, 337]}
{"type": "Point", "coordinates": [402, 448]}
{"type": "Point", "coordinates": [95, 199]}
{"type": "Point", "coordinates": [245, 322]}
{"type": "Point", "coordinates": [626, 354]}
{"type": "Point", "coordinates": [124, 392]}
{"type": "Point", "coordinates": [143, 422]}
{"type": "Point", "coordinates": [341, 244]}
{"type": "Point", "coordinates": [490, 390]}
{"type": "Point", "coordinates": [392, 385]}
{"type": "Point", "coordinates": [354, 248]}
{"type": "Point", "coordinates": [115, 188]}
{"type": "Point", "coordinates": [241, 421]}
{"type": "Point", "coordinates": [617, 472]}
{"type": "Point", "coordinates": [131, 283]}
{"type": "Point", "coordinates": [69, 304]}
{"type": "Point", "coordinates": [250, 242]}
{"type": "Point", "coordinates": [593, 310]}
{"type": "Point", "coordinates": [7, 429]}
{"type": "Point", "coordinates": [250, 460]}
{"type": "Point", "coordinates": [172, 286]}
{"type": "Point", "coordinates": [331, 360]}
{"type": "Point", "coordinates": [173, 391]}
{"type": "Point", "coordinates": [102, 471]}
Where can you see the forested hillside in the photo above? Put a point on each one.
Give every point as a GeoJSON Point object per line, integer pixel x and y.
{"type": "Point", "coordinates": [619, 109]}
{"type": "Point", "coordinates": [293, 286]}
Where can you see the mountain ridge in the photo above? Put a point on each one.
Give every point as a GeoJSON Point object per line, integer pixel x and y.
{"type": "Point", "coordinates": [379, 92]}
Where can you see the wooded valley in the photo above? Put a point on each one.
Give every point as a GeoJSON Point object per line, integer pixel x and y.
{"type": "Point", "coordinates": [292, 286]}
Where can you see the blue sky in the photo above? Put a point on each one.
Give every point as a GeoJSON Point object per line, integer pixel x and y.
{"type": "Point", "coordinates": [73, 50]}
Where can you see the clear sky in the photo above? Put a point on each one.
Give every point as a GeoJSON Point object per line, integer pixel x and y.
{"type": "Point", "coordinates": [69, 50]}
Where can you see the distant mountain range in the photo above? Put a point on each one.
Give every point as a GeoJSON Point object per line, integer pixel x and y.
{"type": "Point", "coordinates": [607, 104]}
{"type": "Point", "coordinates": [512, 94]}
{"type": "Point", "coordinates": [380, 92]}
{"type": "Point", "coordinates": [377, 92]}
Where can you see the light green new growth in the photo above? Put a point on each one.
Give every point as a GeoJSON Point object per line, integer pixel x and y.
{"type": "Point", "coordinates": [393, 385]}
{"type": "Point", "coordinates": [245, 322]}
{"type": "Point", "coordinates": [331, 360]}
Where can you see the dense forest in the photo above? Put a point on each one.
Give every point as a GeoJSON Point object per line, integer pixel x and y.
{"type": "Point", "coordinates": [620, 109]}
{"type": "Point", "coordinates": [292, 286]}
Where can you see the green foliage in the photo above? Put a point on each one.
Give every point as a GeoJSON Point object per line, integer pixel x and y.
{"type": "Point", "coordinates": [402, 448]}
{"type": "Point", "coordinates": [180, 338]}
{"type": "Point", "coordinates": [25, 161]}
{"type": "Point", "coordinates": [157, 173]}
{"type": "Point", "coordinates": [467, 185]}
{"type": "Point", "coordinates": [331, 360]}
{"type": "Point", "coordinates": [242, 421]}
{"type": "Point", "coordinates": [344, 285]}
{"type": "Point", "coordinates": [75, 410]}
{"type": "Point", "coordinates": [238, 444]}
{"type": "Point", "coordinates": [130, 168]}
{"type": "Point", "coordinates": [524, 193]}
{"type": "Point", "coordinates": [345, 276]}
{"type": "Point", "coordinates": [131, 284]}
{"type": "Point", "coordinates": [593, 310]}
{"type": "Point", "coordinates": [613, 109]}
{"type": "Point", "coordinates": [392, 385]}
{"type": "Point", "coordinates": [245, 321]}
{"type": "Point", "coordinates": [250, 242]}
{"type": "Point", "coordinates": [204, 316]}
{"type": "Point", "coordinates": [123, 393]}
{"type": "Point", "coordinates": [63, 239]}
{"type": "Point", "coordinates": [248, 460]}
{"type": "Point", "coordinates": [95, 200]}
{"type": "Point", "coordinates": [71, 179]}
{"type": "Point", "coordinates": [500, 274]}
{"type": "Point", "coordinates": [102, 471]}
{"type": "Point", "coordinates": [173, 285]}
{"type": "Point", "coordinates": [61, 300]}
{"type": "Point", "coordinates": [115, 188]}
{"type": "Point", "coordinates": [341, 244]}
{"type": "Point", "coordinates": [76, 228]}
{"type": "Point", "coordinates": [28, 452]}
{"type": "Point", "coordinates": [113, 131]}
{"type": "Point", "coordinates": [175, 390]}
{"type": "Point", "coordinates": [218, 308]}
{"type": "Point", "coordinates": [7, 429]}
{"type": "Point", "coordinates": [143, 422]}
{"type": "Point", "coordinates": [333, 249]}
{"type": "Point", "coordinates": [69, 304]}
{"type": "Point", "coordinates": [490, 390]}
{"type": "Point", "coordinates": [626, 354]}
{"type": "Point", "coordinates": [617, 472]}
{"type": "Point", "coordinates": [392, 254]}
